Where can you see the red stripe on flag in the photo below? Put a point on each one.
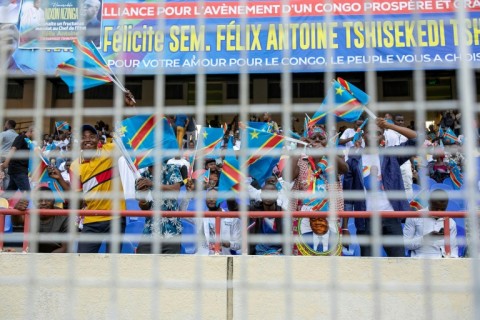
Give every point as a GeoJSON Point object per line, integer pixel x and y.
{"type": "Point", "coordinates": [143, 132]}
{"type": "Point", "coordinates": [86, 51]}
{"type": "Point", "coordinates": [232, 173]}
{"type": "Point", "coordinates": [271, 143]}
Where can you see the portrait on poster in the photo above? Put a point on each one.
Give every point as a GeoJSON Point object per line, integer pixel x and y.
{"type": "Point", "coordinates": [54, 24]}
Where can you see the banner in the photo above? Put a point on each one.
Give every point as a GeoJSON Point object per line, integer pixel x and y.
{"type": "Point", "coordinates": [178, 37]}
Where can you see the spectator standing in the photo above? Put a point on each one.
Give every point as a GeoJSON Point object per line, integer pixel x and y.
{"type": "Point", "coordinates": [458, 123]}
{"type": "Point", "coordinates": [97, 174]}
{"type": "Point", "coordinates": [267, 117]}
{"type": "Point", "coordinates": [394, 138]}
{"type": "Point", "coordinates": [181, 122]}
{"type": "Point", "coordinates": [165, 228]}
{"type": "Point", "coordinates": [346, 139]}
{"type": "Point", "coordinates": [17, 162]}
{"type": "Point", "coordinates": [365, 170]}
{"type": "Point", "coordinates": [191, 129]}
{"type": "Point", "coordinates": [6, 140]}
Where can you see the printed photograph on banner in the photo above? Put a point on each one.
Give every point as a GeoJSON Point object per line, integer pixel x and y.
{"type": "Point", "coordinates": [9, 11]}
{"type": "Point", "coordinates": [318, 236]}
{"type": "Point", "coordinates": [9, 35]}
{"type": "Point", "coordinates": [54, 24]}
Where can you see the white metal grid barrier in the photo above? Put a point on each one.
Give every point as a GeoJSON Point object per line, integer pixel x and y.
{"type": "Point", "coordinates": [192, 38]}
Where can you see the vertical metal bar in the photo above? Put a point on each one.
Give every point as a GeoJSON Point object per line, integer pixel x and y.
{"type": "Point", "coordinates": [446, 230]}
{"type": "Point", "coordinates": [218, 222]}
{"type": "Point", "coordinates": [2, 230]}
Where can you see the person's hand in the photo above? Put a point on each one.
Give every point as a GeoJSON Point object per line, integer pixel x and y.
{"type": "Point", "coordinates": [382, 123]}
{"type": "Point", "coordinates": [143, 184]}
{"type": "Point", "coordinates": [190, 185]}
{"type": "Point", "coordinates": [226, 244]}
{"type": "Point", "coordinates": [2, 167]}
{"type": "Point", "coordinates": [54, 173]}
{"type": "Point", "coordinates": [129, 99]}
{"type": "Point", "coordinates": [21, 205]}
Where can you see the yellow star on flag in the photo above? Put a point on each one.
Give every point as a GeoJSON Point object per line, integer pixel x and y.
{"type": "Point", "coordinates": [122, 130]}
{"type": "Point", "coordinates": [205, 134]}
{"type": "Point", "coordinates": [339, 91]}
{"type": "Point", "coordinates": [254, 134]}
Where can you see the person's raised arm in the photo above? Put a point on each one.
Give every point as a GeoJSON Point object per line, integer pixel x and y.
{"type": "Point", "coordinates": [54, 173]}
{"type": "Point", "coordinates": [409, 133]}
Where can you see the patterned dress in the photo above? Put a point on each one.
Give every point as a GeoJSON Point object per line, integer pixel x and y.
{"type": "Point", "coordinates": [304, 180]}
{"type": "Point", "coordinates": [164, 227]}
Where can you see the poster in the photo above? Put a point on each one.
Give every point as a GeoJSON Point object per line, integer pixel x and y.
{"type": "Point", "coordinates": [178, 37]}
{"type": "Point", "coordinates": [54, 24]}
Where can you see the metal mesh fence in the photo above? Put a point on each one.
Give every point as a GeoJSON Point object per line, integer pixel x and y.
{"type": "Point", "coordinates": [231, 66]}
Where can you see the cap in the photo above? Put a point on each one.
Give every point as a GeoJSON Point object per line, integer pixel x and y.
{"type": "Point", "coordinates": [88, 127]}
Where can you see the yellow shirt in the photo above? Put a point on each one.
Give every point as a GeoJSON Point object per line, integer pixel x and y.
{"type": "Point", "coordinates": [97, 177]}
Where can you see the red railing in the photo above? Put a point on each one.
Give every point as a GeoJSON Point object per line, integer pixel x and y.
{"type": "Point", "coordinates": [232, 214]}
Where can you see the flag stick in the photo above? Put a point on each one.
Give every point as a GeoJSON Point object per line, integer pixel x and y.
{"type": "Point", "coordinates": [370, 112]}
{"type": "Point", "coordinates": [124, 152]}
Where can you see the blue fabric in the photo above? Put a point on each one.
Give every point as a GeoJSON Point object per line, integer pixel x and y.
{"type": "Point", "coordinates": [392, 181]}
{"type": "Point", "coordinates": [180, 120]}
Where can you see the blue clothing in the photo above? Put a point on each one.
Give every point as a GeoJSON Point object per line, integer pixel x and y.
{"type": "Point", "coordinates": [392, 181]}
{"type": "Point", "coordinates": [180, 120]}
{"type": "Point", "coordinates": [165, 227]}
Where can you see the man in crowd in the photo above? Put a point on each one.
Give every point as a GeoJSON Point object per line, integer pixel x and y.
{"type": "Point", "coordinates": [424, 237]}
{"type": "Point", "coordinates": [267, 117]}
{"type": "Point", "coordinates": [47, 224]}
{"type": "Point", "coordinates": [165, 228]}
{"type": "Point", "coordinates": [6, 140]}
{"type": "Point", "coordinates": [267, 226]}
{"type": "Point", "coordinates": [97, 173]}
{"type": "Point", "coordinates": [392, 139]}
{"type": "Point", "coordinates": [181, 123]}
{"type": "Point", "coordinates": [17, 162]}
{"type": "Point", "coordinates": [346, 139]}
{"type": "Point", "coordinates": [377, 175]}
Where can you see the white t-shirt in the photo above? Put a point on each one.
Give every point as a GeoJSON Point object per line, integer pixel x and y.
{"type": "Point", "coordinates": [127, 177]}
{"type": "Point", "coordinates": [349, 133]}
{"type": "Point", "coordinates": [375, 200]}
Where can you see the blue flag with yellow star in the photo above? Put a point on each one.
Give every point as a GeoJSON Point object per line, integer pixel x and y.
{"type": "Point", "coordinates": [262, 126]}
{"type": "Point", "coordinates": [138, 134]}
{"type": "Point", "coordinates": [231, 176]}
{"type": "Point", "coordinates": [209, 140]}
{"type": "Point", "coordinates": [259, 163]}
{"type": "Point", "coordinates": [341, 102]}
{"type": "Point", "coordinates": [38, 173]}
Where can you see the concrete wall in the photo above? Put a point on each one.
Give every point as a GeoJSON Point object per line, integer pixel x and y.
{"type": "Point", "coordinates": [41, 286]}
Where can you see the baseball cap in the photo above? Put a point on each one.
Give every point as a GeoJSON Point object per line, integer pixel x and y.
{"type": "Point", "coordinates": [88, 127]}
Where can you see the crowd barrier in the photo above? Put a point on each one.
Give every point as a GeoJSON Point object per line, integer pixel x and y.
{"type": "Point", "coordinates": [218, 215]}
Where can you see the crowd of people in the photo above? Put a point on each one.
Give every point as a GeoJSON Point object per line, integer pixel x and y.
{"type": "Point", "coordinates": [359, 169]}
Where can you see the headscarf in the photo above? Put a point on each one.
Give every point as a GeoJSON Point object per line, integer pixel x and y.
{"type": "Point", "coordinates": [315, 130]}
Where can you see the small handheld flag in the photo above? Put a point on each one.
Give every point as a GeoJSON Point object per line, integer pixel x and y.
{"type": "Point", "coordinates": [339, 101]}
{"type": "Point", "coordinates": [139, 138]}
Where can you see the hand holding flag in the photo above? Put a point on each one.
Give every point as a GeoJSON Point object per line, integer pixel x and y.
{"type": "Point", "coordinates": [95, 70]}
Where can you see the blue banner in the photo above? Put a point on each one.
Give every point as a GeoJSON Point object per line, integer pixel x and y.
{"type": "Point", "coordinates": [178, 37]}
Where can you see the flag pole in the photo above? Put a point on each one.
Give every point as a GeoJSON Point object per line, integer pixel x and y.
{"type": "Point", "coordinates": [369, 112]}
{"type": "Point", "coordinates": [124, 152]}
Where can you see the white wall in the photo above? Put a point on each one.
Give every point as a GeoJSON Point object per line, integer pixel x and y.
{"type": "Point", "coordinates": [190, 287]}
